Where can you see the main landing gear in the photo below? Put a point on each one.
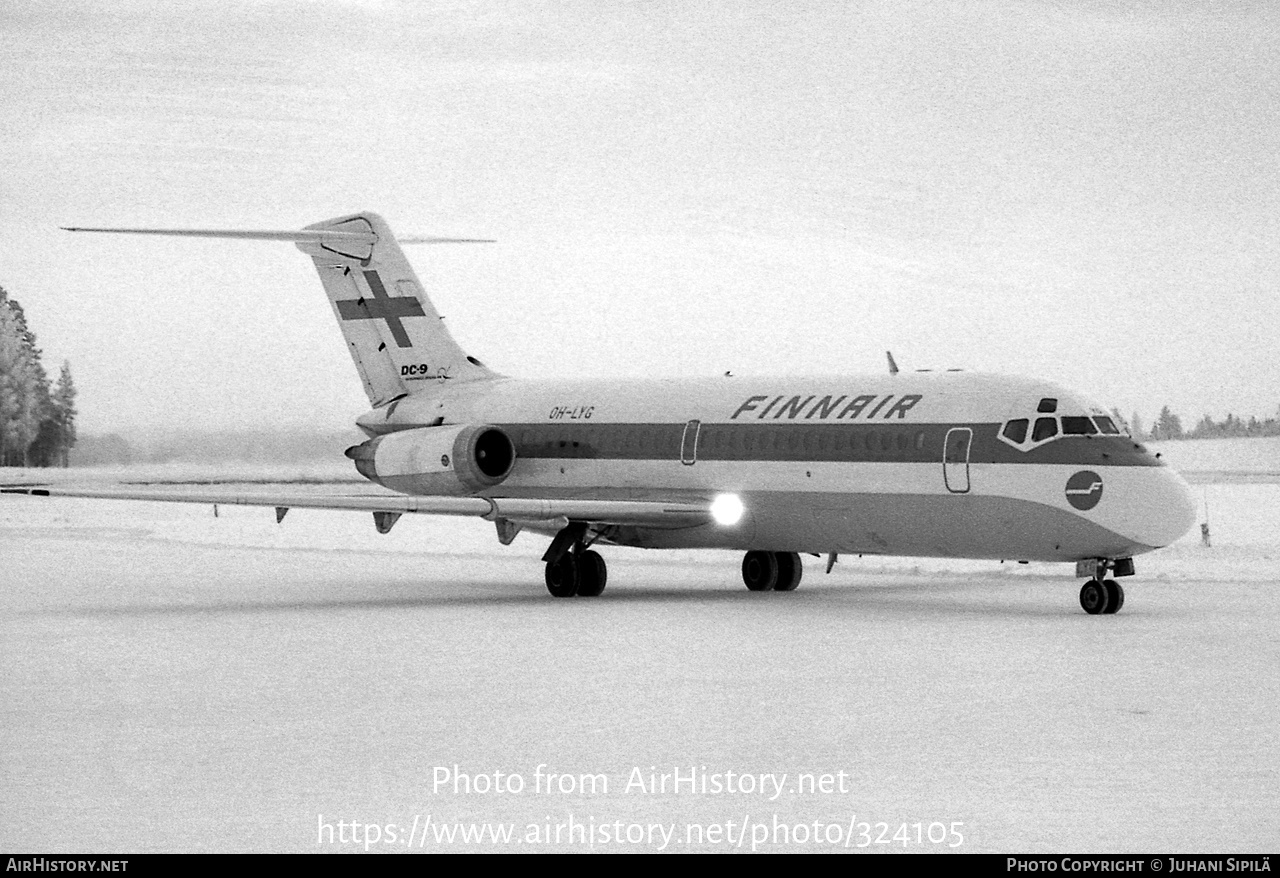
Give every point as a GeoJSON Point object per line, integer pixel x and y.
{"type": "Point", "coordinates": [772, 571]}
{"type": "Point", "coordinates": [577, 573]}
{"type": "Point", "coordinates": [1102, 596]}
{"type": "Point", "coordinates": [572, 568]}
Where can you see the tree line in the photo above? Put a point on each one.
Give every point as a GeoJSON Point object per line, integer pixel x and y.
{"type": "Point", "coordinates": [37, 415]}
{"type": "Point", "coordinates": [1168, 425]}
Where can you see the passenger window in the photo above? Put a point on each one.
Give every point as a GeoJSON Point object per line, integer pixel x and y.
{"type": "Point", "coordinates": [1106, 425]}
{"type": "Point", "coordinates": [1016, 431]}
{"type": "Point", "coordinates": [920, 441]}
{"type": "Point", "coordinates": [1078, 426]}
{"type": "Point", "coordinates": [1046, 428]}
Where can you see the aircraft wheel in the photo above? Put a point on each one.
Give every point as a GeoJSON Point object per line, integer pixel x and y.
{"type": "Point", "coordinates": [1094, 597]}
{"type": "Point", "coordinates": [562, 577]}
{"type": "Point", "coordinates": [790, 569]}
{"type": "Point", "coordinates": [1115, 596]}
{"type": "Point", "coordinates": [592, 574]}
{"type": "Point", "coordinates": [760, 571]}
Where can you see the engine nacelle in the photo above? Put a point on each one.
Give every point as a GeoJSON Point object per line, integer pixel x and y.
{"type": "Point", "coordinates": [449, 461]}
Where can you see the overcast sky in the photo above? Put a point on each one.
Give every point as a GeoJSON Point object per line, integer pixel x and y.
{"type": "Point", "coordinates": [1083, 191]}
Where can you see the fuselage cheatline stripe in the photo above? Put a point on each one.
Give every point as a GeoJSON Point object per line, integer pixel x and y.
{"type": "Point", "coordinates": [806, 442]}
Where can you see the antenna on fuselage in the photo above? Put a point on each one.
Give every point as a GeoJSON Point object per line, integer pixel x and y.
{"type": "Point", "coordinates": [893, 367]}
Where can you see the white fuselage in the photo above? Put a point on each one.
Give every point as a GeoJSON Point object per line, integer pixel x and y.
{"type": "Point", "coordinates": [906, 464]}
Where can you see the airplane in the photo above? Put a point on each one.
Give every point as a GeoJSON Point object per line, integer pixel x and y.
{"type": "Point", "coordinates": [949, 464]}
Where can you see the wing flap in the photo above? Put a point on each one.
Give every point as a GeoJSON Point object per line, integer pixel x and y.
{"type": "Point", "coordinates": [637, 512]}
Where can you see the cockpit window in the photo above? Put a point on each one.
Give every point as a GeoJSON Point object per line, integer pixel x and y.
{"type": "Point", "coordinates": [1016, 431]}
{"type": "Point", "coordinates": [1106, 425]}
{"type": "Point", "coordinates": [1078, 426]}
{"type": "Point", "coordinates": [1047, 406]}
{"type": "Point", "coordinates": [1046, 428]}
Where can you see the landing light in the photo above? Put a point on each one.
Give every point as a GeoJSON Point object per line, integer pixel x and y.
{"type": "Point", "coordinates": [727, 509]}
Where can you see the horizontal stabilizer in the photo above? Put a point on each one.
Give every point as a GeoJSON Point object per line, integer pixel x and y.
{"type": "Point", "coordinates": [426, 239]}
{"type": "Point", "coordinates": [308, 236]}
{"type": "Point", "coordinates": [304, 236]}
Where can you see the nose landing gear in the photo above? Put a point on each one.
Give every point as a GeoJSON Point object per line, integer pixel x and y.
{"type": "Point", "coordinates": [1102, 596]}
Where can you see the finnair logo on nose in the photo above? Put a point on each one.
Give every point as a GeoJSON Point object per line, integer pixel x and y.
{"type": "Point", "coordinates": [1084, 490]}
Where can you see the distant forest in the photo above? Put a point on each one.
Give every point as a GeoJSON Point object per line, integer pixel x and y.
{"type": "Point", "coordinates": [37, 416]}
{"type": "Point", "coordinates": [1169, 426]}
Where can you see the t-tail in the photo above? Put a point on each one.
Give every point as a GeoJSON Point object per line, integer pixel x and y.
{"type": "Point", "coordinates": [394, 334]}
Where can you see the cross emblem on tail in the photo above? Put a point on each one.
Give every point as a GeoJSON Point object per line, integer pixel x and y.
{"type": "Point", "coordinates": [382, 307]}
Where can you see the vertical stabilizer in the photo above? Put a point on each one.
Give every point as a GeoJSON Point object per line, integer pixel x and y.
{"type": "Point", "coordinates": [393, 333]}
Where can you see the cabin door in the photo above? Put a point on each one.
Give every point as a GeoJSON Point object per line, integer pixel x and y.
{"type": "Point", "coordinates": [955, 460]}
{"type": "Point", "coordinates": [689, 443]}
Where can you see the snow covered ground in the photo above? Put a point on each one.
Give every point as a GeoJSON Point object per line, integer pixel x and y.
{"type": "Point", "coordinates": [175, 681]}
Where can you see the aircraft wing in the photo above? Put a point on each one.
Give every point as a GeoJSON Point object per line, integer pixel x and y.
{"type": "Point", "coordinates": [637, 512]}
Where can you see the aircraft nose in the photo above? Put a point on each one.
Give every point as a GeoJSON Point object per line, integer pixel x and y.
{"type": "Point", "coordinates": [1170, 511]}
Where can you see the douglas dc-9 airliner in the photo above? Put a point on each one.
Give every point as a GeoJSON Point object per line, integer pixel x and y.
{"type": "Point", "coordinates": [946, 464]}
